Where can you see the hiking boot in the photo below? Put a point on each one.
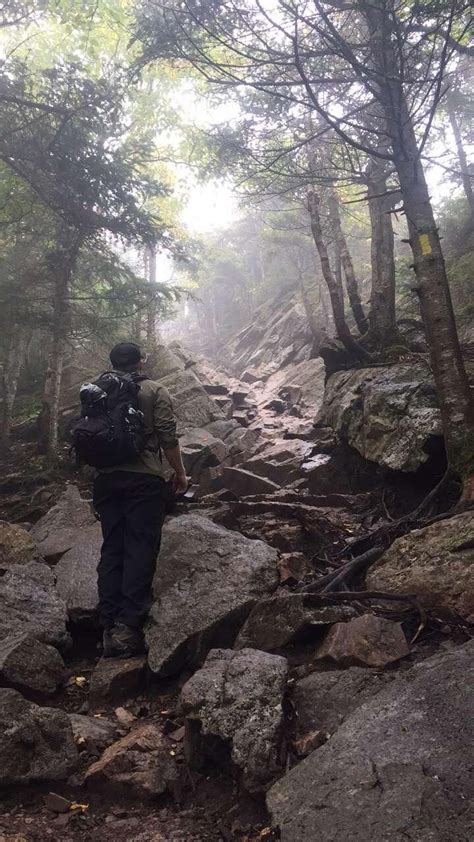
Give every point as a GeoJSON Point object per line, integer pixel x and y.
{"type": "Point", "coordinates": [108, 646]}
{"type": "Point", "coordinates": [127, 641]}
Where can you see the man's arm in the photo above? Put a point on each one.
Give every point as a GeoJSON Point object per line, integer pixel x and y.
{"type": "Point", "coordinates": [165, 426]}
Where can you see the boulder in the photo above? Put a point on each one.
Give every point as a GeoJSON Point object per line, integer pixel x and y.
{"type": "Point", "coordinates": [30, 604]}
{"type": "Point", "coordinates": [276, 622]}
{"type": "Point", "coordinates": [139, 765]}
{"type": "Point", "coordinates": [324, 700]}
{"type": "Point", "coordinates": [399, 767]}
{"type": "Point", "coordinates": [237, 697]}
{"type": "Point", "coordinates": [203, 455]}
{"type": "Point", "coordinates": [326, 474]}
{"type": "Point", "coordinates": [36, 744]}
{"type": "Point", "coordinates": [244, 483]}
{"type": "Point", "coordinates": [292, 567]}
{"type": "Point", "coordinates": [250, 375]}
{"type": "Point", "coordinates": [76, 574]}
{"type": "Point", "coordinates": [368, 640]}
{"type": "Point", "coordinates": [91, 731]}
{"type": "Point", "coordinates": [281, 461]}
{"type": "Point", "coordinates": [30, 666]}
{"type": "Point", "coordinates": [116, 679]}
{"type": "Point", "coordinates": [207, 580]}
{"type": "Point", "coordinates": [193, 407]}
{"type": "Point", "coordinates": [59, 529]}
{"type": "Point", "coordinates": [16, 545]}
{"type": "Point", "coordinates": [387, 414]}
{"type": "Point", "coordinates": [435, 563]}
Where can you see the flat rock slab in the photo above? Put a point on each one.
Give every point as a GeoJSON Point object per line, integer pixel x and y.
{"type": "Point", "coordinates": [30, 604]}
{"type": "Point", "coordinates": [237, 696]}
{"type": "Point", "coordinates": [95, 732]}
{"type": "Point", "coordinates": [116, 679]}
{"type": "Point", "coordinates": [323, 700]}
{"type": "Point", "coordinates": [36, 743]}
{"type": "Point", "coordinates": [367, 640]}
{"type": "Point", "coordinates": [435, 563]}
{"type": "Point", "coordinates": [208, 578]}
{"type": "Point", "coordinates": [244, 483]}
{"type": "Point", "coordinates": [17, 546]}
{"type": "Point", "coordinates": [139, 765]}
{"type": "Point", "coordinates": [275, 622]}
{"type": "Point", "coordinates": [30, 666]}
{"type": "Point", "coordinates": [76, 575]}
{"type": "Point", "coordinates": [399, 767]}
{"type": "Point", "coordinates": [60, 528]}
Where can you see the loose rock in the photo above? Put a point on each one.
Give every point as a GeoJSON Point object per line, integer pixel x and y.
{"type": "Point", "coordinates": [30, 604]}
{"type": "Point", "coordinates": [435, 563]}
{"type": "Point", "coordinates": [139, 765]}
{"type": "Point", "coordinates": [237, 696]}
{"type": "Point", "coordinates": [116, 679]}
{"type": "Point", "coordinates": [244, 483]}
{"type": "Point", "coordinates": [36, 744]}
{"type": "Point", "coordinates": [368, 640]}
{"type": "Point", "coordinates": [399, 767]}
{"type": "Point", "coordinates": [16, 545]}
{"type": "Point", "coordinates": [207, 580]}
{"type": "Point", "coordinates": [61, 527]}
{"type": "Point", "coordinates": [29, 665]}
{"type": "Point", "coordinates": [96, 732]}
{"type": "Point", "coordinates": [76, 575]}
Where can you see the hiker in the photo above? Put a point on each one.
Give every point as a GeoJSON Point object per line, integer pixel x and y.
{"type": "Point", "coordinates": [127, 422]}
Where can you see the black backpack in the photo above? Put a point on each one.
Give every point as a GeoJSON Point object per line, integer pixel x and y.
{"type": "Point", "coordinates": [111, 430]}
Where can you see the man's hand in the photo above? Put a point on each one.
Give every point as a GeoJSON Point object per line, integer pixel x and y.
{"type": "Point", "coordinates": [180, 484]}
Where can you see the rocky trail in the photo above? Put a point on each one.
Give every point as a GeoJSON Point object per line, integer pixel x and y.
{"type": "Point", "coordinates": [285, 695]}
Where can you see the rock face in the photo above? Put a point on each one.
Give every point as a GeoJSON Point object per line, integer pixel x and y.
{"type": "Point", "coordinates": [387, 413]}
{"type": "Point", "coordinates": [193, 407]}
{"type": "Point", "coordinates": [59, 529]}
{"type": "Point", "coordinates": [207, 580]}
{"type": "Point", "coordinates": [29, 665]}
{"type": "Point", "coordinates": [76, 574]}
{"type": "Point", "coordinates": [324, 700]}
{"type": "Point", "coordinates": [244, 483]}
{"type": "Point", "coordinates": [368, 640]}
{"type": "Point", "coordinates": [16, 545]}
{"type": "Point", "coordinates": [435, 563]}
{"type": "Point", "coordinates": [36, 744]}
{"type": "Point", "coordinates": [29, 604]}
{"type": "Point", "coordinates": [399, 767]}
{"type": "Point", "coordinates": [275, 622]}
{"type": "Point", "coordinates": [237, 697]}
{"type": "Point", "coordinates": [139, 765]}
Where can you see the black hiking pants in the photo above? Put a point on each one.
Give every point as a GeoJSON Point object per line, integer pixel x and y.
{"type": "Point", "coordinates": [131, 507]}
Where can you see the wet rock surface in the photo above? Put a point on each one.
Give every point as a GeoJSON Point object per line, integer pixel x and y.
{"type": "Point", "coordinates": [237, 697]}
{"type": "Point", "coordinates": [36, 743]}
{"type": "Point", "coordinates": [435, 563]}
{"type": "Point", "coordinates": [399, 765]}
{"type": "Point", "coordinates": [206, 583]}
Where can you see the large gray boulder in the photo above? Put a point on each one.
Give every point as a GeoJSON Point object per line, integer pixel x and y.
{"type": "Point", "coordinates": [193, 407]}
{"type": "Point", "coordinates": [76, 574]}
{"type": "Point", "coordinates": [237, 697]}
{"type": "Point", "coordinates": [207, 580]}
{"type": "Point", "coordinates": [400, 767]}
{"type": "Point", "coordinates": [30, 604]}
{"type": "Point", "coordinates": [36, 744]}
{"type": "Point", "coordinates": [60, 528]}
{"type": "Point", "coordinates": [435, 563]}
{"type": "Point", "coordinates": [30, 666]}
{"type": "Point", "coordinates": [387, 414]}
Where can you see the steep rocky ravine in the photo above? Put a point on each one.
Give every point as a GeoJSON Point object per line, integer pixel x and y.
{"type": "Point", "coordinates": [280, 698]}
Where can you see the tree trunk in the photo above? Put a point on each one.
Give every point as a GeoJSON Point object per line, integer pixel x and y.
{"type": "Point", "coordinates": [335, 289]}
{"type": "Point", "coordinates": [382, 316]}
{"type": "Point", "coordinates": [466, 179]}
{"type": "Point", "coordinates": [452, 385]}
{"type": "Point", "coordinates": [311, 297]}
{"type": "Point", "coordinates": [151, 331]}
{"type": "Point", "coordinates": [62, 263]}
{"type": "Point", "coordinates": [11, 374]}
{"type": "Point", "coordinates": [347, 265]}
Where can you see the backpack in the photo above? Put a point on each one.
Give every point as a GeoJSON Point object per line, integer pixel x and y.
{"type": "Point", "coordinates": [111, 430]}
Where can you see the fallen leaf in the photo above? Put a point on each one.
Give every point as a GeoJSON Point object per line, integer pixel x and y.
{"type": "Point", "coordinates": [78, 808]}
{"type": "Point", "coordinates": [80, 680]}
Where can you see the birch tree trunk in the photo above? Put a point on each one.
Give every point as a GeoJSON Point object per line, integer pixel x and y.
{"type": "Point", "coordinates": [347, 264]}
{"type": "Point", "coordinates": [11, 374]}
{"type": "Point", "coordinates": [382, 316]}
{"type": "Point", "coordinates": [62, 262]}
{"type": "Point", "coordinates": [452, 385]}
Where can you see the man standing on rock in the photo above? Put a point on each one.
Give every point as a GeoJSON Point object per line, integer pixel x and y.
{"type": "Point", "coordinates": [130, 499]}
